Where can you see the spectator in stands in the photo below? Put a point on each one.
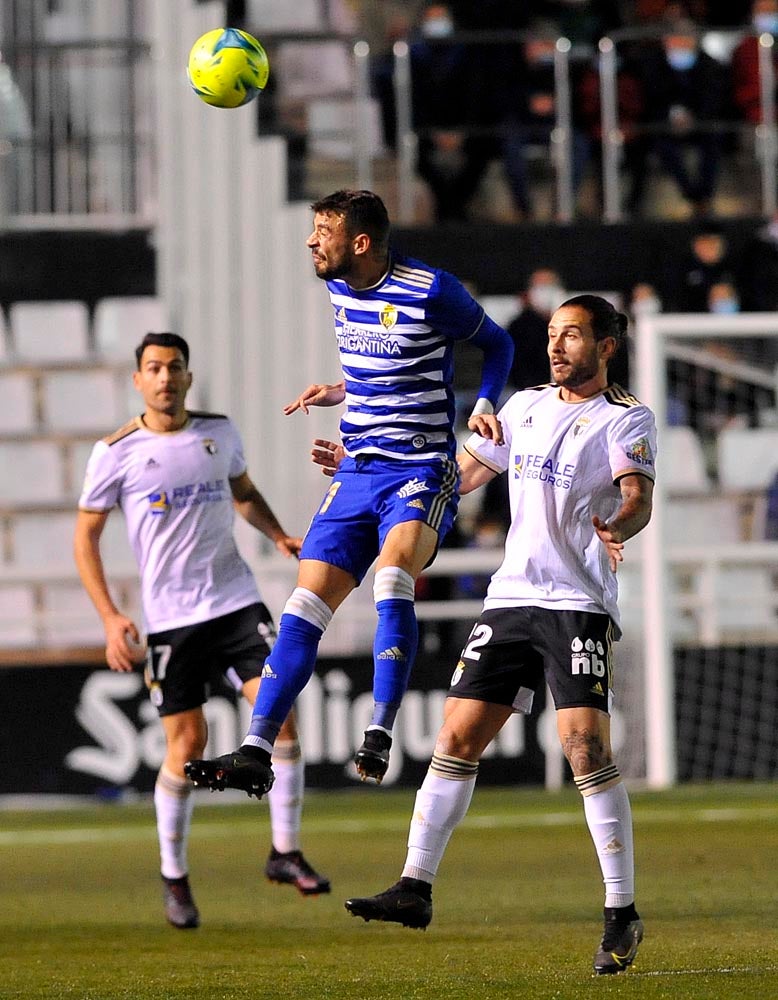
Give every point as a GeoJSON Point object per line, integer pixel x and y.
{"type": "Point", "coordinates": [687, 94]}
{"type": "Point", "coordinates": [706, 262]}
{"type": "Point", "coordinates": [529, 330]}
{"type": "Point", "coordinates": [630, 104]}
{"type": "Point", "coordinates": [723, 298]}
{"type": "Point", "coordinates": [381, 23]}
{"type": "Point", "coordinates": [746, 84]}
{"type": "Point", "coordinates": [644, 300]}
{"type": "Point", "coordinates": [759, 270]}
{"type": "Point", "coordinates": [532, 120]}
{"type": "Point", "coordinates": [449, 115]}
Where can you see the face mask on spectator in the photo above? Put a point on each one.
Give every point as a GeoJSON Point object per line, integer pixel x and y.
{"type": "Point", "coordinates": [682, 59]}
{"type": "Point", "coordinates": [725, 307]}
{"type": "Point", "coordinates": [545, 298]}
{"type": "Point", "coordinates": [437, 27]}
{"type": "Point", "coordinates": [766, 22]}
{"type": "Point", "coordinates": [649, 306]}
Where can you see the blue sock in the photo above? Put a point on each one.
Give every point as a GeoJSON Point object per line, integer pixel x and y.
{"type": "Point", "coordinates": [287, 670]}
{"type": "Point", "coordinates": [394, 651]}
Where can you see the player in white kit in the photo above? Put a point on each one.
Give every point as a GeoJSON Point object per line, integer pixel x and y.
{"type": "Point", "coordinates": [579, 454]}
{"type": "Point", "coordinates": [178, 477]}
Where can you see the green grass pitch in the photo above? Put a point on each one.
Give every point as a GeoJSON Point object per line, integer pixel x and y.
{"type": "Point", "coordinates": [517, 903]}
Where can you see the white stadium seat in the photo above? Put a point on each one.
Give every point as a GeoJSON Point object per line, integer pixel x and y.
{"type": "Point", "coordinates": [264, 16]}
{"type": "Point", "coordinates": [36, 472]}
{"type": "Point", "coordinates": [747, 457]}
{"type": "Point", "coordinates": [121, 323]}
{"type": "Point", "coordinates": [49, 331]}
{"type": "Point", "coordinates": [69, 617]}
{"type": "Point", "coordinates": [681, 462]}
{"type": "Point", "coordinates": [17, 403]}
{"type": "Point", "coordinates": [17, 616]}
{"type": "Point", "coordinates": [82, 401]}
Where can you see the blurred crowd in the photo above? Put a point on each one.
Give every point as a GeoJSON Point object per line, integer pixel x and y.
{"type": "Point", "coordinates": [483, 91]}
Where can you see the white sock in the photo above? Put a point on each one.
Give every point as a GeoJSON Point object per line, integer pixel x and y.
{"type": "Point", "coordinates": [173, 803]}
{"type": "Point", "coordinates": [285, 798]}
{"type": "Point", "coordinates": [609, 818]}
{"type": "Point", "coordinates": [441, 803]}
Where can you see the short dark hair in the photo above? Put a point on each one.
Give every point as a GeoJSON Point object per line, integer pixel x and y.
{"type": "Point", "coordinates": [162, 340]}
{"type": "Point", "coordinates": [362, 212]}
{"type": "Point", "coordinates": [607, 321]}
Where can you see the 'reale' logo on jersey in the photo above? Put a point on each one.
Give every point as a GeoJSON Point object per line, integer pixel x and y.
{"type": "Point", "coordinates": [388, 316]}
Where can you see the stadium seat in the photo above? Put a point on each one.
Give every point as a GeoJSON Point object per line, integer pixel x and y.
{"type": "Point", "coordinates": [17, 403]}
{"type": "Point", "coordinates": [120, 324]}
{"type": "Point", "coordinates": [697, 520]}
{"type": "Point", "coordinates": [501, 308]}
{"type": "Point", "coordinates": [747, 457]}
{"type": "Point", "coordinates": [332, 128]}
{"type": "Point", "coordinates": [37, 473]}
{"type": "Point", "coordinates": [69, 618]}
{"type": "Point", "coordinates": [49, 331]}
{"type": "Point", "coordinates": [266, 16]}
{"type": "Point", "coordinates": [313, 70]}
{"type": "Point", "coordinates": [17, 616]}
{"type": "Point", "coordinates": [4, 348]}
{"type": "Point", "coordinates": [681, 462]}
{"type": "Point", "coordinates": [82, 401]}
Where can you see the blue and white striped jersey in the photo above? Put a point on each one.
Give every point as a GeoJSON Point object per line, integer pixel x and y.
{"type": "Point", "coordinates": [396, 348]}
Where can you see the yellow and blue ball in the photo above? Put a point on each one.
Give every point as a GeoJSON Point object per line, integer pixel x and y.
{"type": "Point", "coordinates": [227, 67]}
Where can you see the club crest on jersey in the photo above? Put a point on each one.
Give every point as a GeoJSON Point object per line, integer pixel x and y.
{"type": "Point", "coordinates": [158, 503]}
{"type": "Point", "coordinates": [210, 446]}
{"type": "Point", "coordinates": [581, 424]}
{"type": "Point", "coordinates": [640, 452]}
{"type": "Point", "coordinates": [412, 487]}
{"type": "Point", "coordinates": [388, 316]}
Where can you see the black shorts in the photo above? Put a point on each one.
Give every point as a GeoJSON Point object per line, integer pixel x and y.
{"type": "Point", "coordinates": [183, 662]}
{"type": "Point", "coordinates": [511, 651]}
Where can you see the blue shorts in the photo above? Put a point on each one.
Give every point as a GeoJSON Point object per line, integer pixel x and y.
{"type": "Point", "coordinates": [369, 495]}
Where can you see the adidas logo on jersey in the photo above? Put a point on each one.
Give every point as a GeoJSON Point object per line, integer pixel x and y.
{"type": "Point", "coordinates": [413, 486]}
{"type": "Point", "coordinates": [152, 464]}
{"type": "Point", "coordinates": [597, 689]}
{"type": "Point", "coordinates": [393, 653]}
{"type": "Point", "coordinates": [267, 671]}
{"type": "Point", "coordinates": [418, 504]}
{"type": "Point", "coordinates": [526, 422]}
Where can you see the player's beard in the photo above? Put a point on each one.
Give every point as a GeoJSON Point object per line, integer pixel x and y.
{"type": "Point", "coordinates": [340, 268]}
{"type": "Point", "coordinates": [578, 375]}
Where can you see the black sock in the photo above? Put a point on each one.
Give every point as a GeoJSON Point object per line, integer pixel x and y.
{"type": "Point", "coordinates": [624, 914]}
{"type": "Point", "coordinates": [256, 753]}
{"type": "Point", "coordinates": [417, 885]}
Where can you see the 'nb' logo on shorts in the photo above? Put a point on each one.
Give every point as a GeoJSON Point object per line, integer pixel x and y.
{"type": "Point", "coordinates": [587, 658]}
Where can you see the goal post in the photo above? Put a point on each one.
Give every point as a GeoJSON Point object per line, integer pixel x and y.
{"type": "Point", "coordinates": [720, 371]}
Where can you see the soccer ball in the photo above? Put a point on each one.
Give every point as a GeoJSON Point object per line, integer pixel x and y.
{"type": "Point", "coordinates": [227, 67]}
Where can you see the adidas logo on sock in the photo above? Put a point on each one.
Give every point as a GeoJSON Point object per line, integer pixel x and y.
{"type": "Point", "coordinates": [393, 653]}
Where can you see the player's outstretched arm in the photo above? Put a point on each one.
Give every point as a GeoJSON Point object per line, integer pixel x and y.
{"type": "Point", "coordinates": [472, 473]}
{"type": "Point", "coordinates": [123, 646]}
{"type": "Point", "coordinates": [253, 507]}
{"type": "Point", "coordinates": [327, 454]}
{"type": "Point", "coordinates": [317, 394]}
{"type": "Point", "coordinates": [632, 516]}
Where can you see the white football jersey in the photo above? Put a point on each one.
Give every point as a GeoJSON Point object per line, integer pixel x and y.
{"type": "Point", "coordinates": [175, 493]}
{"type": "Point", "coordinates": [564, 461]}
